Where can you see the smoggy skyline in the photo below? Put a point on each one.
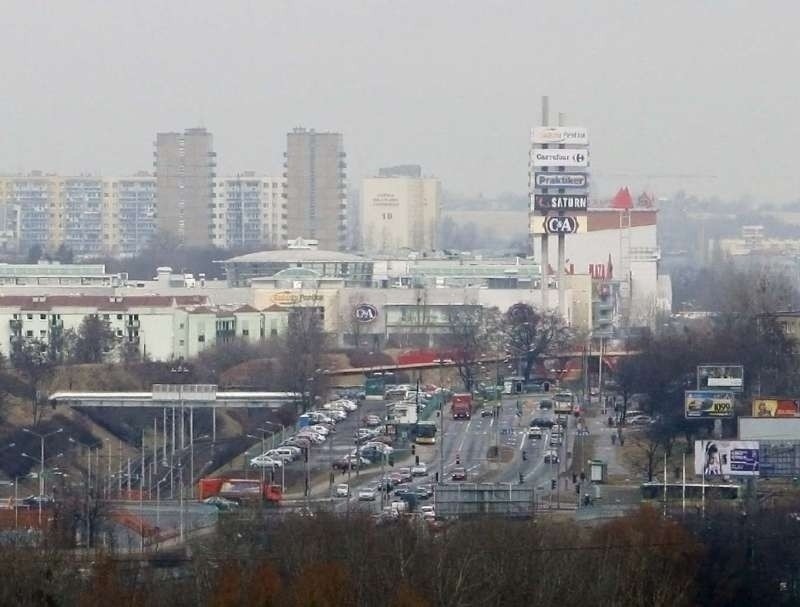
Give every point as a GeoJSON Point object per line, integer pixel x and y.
{"type": "Point", "coordinates": [691, 95]}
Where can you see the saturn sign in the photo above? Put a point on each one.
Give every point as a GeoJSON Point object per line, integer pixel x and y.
{"type": "Point", "coordinates": [365, 312]}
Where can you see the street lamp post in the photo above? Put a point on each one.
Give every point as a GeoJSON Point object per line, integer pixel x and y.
{"type": "Point", "coordinates": [42, 438]}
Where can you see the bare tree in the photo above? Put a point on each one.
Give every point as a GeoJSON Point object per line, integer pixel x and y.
{"type": "Point", "coordinates": [530, 334]}
{"type": "Point", "coordinates": [302, 355]}
{"type": "Point", "coordinates": [470, 336]}
{"type": "Point", "coordinates": [30, 359]}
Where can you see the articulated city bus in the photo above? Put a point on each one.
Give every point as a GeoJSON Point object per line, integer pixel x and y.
{"type": "Point", "coordinates": [426, 433]}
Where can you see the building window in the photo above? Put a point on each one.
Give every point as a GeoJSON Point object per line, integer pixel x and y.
{"type": "Point", "coordinates": [28, 333]}
{"type": "Point", "coordinates": [119, 316]}
{"type": "Point", "coordinates": [30, 316]}
{"type": "Point", "coordinates": [201, 338]}
{"type": "Point", "coordinates": [245, 332]}
{"type": "Point", "coordinates": [43, 316]}
{"type": "Point", "coordinates": [42, 333]}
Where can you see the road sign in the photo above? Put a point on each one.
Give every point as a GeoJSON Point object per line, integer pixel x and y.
{"type": "Point", "coordinates": [559, 224]}
{"type": "Point", "coordinates": [566, 135]}
{"type": "Point", "coordinates": [560, 158]}
{"type": "Point", "coordinates": [561, 180]}
{"type": "Point", "coordinates": [560, 202]}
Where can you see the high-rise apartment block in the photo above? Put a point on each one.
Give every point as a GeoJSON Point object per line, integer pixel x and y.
{"type": "Point", "coordinates": [185, 170]}
{"type": "Point", "coordinates": [249, 212]}
{"type": "Point", "coordinates": [133, 221]}
{"type": "Point", "coordinates": [399, 211]}
{"type": "Point", "coordinates": [316, 190]}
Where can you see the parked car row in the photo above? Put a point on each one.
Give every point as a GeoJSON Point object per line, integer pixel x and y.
{"type": "Point", "coordinates": [319, 426]}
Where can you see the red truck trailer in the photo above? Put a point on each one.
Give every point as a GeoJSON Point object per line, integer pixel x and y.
{"type": "Point", "coordinates": [461, 406]}
{"type": "Point", "coordinates": [240, 489]}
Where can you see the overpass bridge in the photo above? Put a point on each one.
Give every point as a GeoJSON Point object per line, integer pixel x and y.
{"type": "Point", "coordinates": [198, 396]}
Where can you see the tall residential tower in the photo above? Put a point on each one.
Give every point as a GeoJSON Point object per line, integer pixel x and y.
{"type": "Point", "coordinates": [185, 164]}
{"type": "Point", "coordinates": [316, 190]}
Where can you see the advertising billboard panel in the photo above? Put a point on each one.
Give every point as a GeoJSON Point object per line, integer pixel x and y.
{"type": "Point", "coordinates": [726, 458]}
{"type": "Point", "coordinates": [560, 158]}
{"type": "Point", "coordinates": [774, 406]}
{"type": "Point", "coordinates": [769, 428]}
{"type": "Point", "coordinates": [561, 180]}
{"type": "Point", "coordinates": [560, 135]}
{"type": "Point", "coordinates": [560, 202]}
{"type": "Point", "coordinates": [720, 377]}
{"type": "Point", "coordinates": [700, 404]}
{"type": "Point", "coordinates": [558, 224]}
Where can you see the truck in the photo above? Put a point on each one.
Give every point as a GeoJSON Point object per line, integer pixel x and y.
{"type": "Point", "coordinates": [461, 406]}
{"type": "Point", "coordinates": [239, 489]}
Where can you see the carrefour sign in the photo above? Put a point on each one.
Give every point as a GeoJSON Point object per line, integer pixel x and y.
{"type": "Point", "coordinates": [560, 158]}
{"type": "Point", "coordinates": [559, 224]}
{"type": "Point", "coordinates": [365, 312]}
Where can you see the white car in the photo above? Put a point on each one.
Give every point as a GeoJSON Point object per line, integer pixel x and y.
{"type": "Point", "coordinates": [338, 415]}
{"type": "Point", "coordinates": [343, 490]}
{"type": "Point", "coordinates": [427, 512]}
{"type": "Point", "coordinates": [421, 469]}
{"type": "Point", "coordinates": [320, 429]}
{"type": "Point", "coordinates": [382, 447]}
{"type": "Point", "coordinates": [282, 453]}
{"type": "Point", "coordinates": [262, 461]}
{"type": "Point", "coordinates": [314, 437]}
{"type": "Point", "coordinates": [366, 495]}
{"type": "Point", "coordinates": [534, 432]}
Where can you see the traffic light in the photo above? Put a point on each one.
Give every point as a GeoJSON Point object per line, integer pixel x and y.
{"type": "Point", "coordinates": [458, 459]}
{"type": "Point", "coordinates": [574, 478]}
{"type": "Point", "coordinates": [413, 449]}
{"type": "Point", "coordinates": [553, 483]}
{"type": "Point", "coordinates": [416, 460]}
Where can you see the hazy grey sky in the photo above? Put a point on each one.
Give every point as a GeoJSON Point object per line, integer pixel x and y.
{"type": "Point", "coordinates": [677, 87]}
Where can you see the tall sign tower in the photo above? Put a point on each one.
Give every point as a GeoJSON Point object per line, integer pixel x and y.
{"type": "Point", "coordinates": [559, 192]}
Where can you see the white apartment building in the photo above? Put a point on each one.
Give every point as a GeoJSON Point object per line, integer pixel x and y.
{"type": "Point", "coordinates": [249, 211]}
{"type": "Point", "coordinates": [162, 327]}
{"type": "Point", "coordinates": [399, 213]}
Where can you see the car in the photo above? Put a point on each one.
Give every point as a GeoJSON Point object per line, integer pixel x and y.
{"type": "Point", "coordinates": [534, 432]}
{"type": "Point", "coordinates": [595, 391]}
{"type": "Point", "coordinates": [546, 405]}
{"type": "Point", "coordinates": [420, 469]}
{"type": "Point", "coordinates": [555, 440]}
{"type": "Point", "coordinates": [551, 457]}
{"type": "Point", "coordinates": [367, 494]}
{"type": "Point", "coordinates": [380, 446]}
{"type": "Point", "coordinates": [487, 412]}
{"type": "Point", "coordinates": [338, 415]}
{"type": "Point", "coordinates": [351, 462]}
{"type": "Point", "coordinates": [427, 489]}
{"type": "Point", "coordinates": [315, 437]}
{"type": "Point", "coordinates": [458, 474]}
{"type": "Point", "coordinates": [397, 478]}
{"type": "Point", "coordinates": [371, 421]}
{"type": "Point", "coordinates": [406, 474]}
{"type": "Point", "coordinates": [542, 422]}
{"type": "Point", "coordinates": [221, 503]}
{"type": "Point", "coordinates": [562, 420]}
{"type": "Point", "coordinates": [405, 492]}
{"type": "Point", "coordinates": [427, 512]}
{"type": "Point", "coordinates": [262, 461]}
{"type": "Point", "coordinates": [320, 429]}
{"type": "Point", "coordinates": [284, 453]}
{"type": "Point", "coordinates": [342, 490]}
{"type": "Point", "coordinates": [639, 420]}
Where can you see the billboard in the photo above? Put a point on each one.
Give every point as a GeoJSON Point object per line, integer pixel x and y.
{"type": "Point", "coordinates": [726, 458]}
{"type": "Point", "coordinates": [561, 135]}
{"type": "Point", "coordinates": [769, 428]}
{"type": "Point", "coordinates": [560, 158]}
{"type": "Point", "coordinates": [558, 224]}
{"type": "Point", "coordinates": [724, 377]}
{"type": "Point", "coordinates": [561, 180]}
{"type": "Point", "coordinates": [773, 406]}
{"type": "Point", "coordinates": [701, 404]}
{"type": "Point", "coordinates": [560, 202]}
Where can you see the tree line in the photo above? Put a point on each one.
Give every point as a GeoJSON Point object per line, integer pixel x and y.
{"type": "Point", "coordinates": [723, 559]}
